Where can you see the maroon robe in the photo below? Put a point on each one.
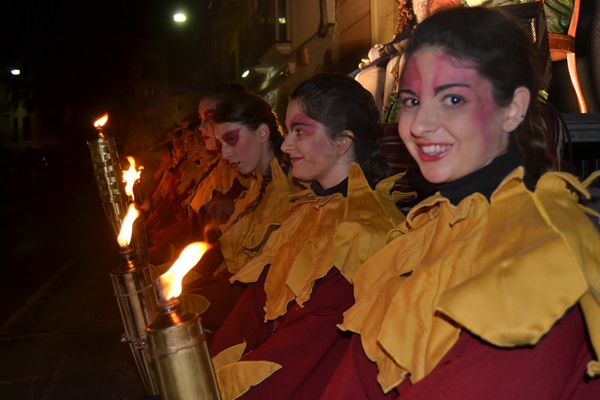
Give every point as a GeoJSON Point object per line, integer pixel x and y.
{"type": "Point", "coordinates": [305, 341]}
{"type": "Point", "coordinates": [473, 370]}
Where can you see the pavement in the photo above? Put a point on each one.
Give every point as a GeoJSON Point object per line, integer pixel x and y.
{"type": "Point", "coordinates": [60, 326]}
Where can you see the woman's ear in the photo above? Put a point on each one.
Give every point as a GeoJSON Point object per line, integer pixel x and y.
{"type": "Point", "coordinates": [344, 142]}
{"type": "Point", "coordinates": [263, 133]}
{"type": "Point", "coordinates": [516, 110]}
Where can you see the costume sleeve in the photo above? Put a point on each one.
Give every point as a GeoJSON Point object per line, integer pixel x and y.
{"type": "Point", "coordinates": [355, 377]}
{"type": "Point", "coordinates": [553, 369]}
{"type": "Point", "coordinates": [244, 323]}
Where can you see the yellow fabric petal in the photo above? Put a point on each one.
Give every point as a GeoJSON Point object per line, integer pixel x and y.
{"type": "Point", "coordinates": [475, 267]}
{"type": "Point", "coordinates": [242, 202]}
{"type": "Point", "coordinates": [228, 356]}
{"type": "Point", "coordinates": [220, 178]}
{"type": "Point", "coordinates": [193, 303]}
{"type": "Point", "coordinates": [237, 378]}
{"type": "Point", "coordinates": [370, 215]}
{"type": "Point", "coordinates": [190, 174]}
{"type": "Point", "coordinates": [244, 238]}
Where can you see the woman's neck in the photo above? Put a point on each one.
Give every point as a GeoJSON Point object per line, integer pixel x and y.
{"type": "Point", "coordinates": [265, 164]}
{"type": "Point", "coordinates": [341, 187]}
{"type": "Point", "coordinates": [485, 180]}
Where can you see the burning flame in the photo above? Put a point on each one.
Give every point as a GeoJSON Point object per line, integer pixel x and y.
{"type": "Point", "coordinates": [170, 281]}
{"type": "Point", "coordinates": [127, 228]}
{"type": "Point", "coordinates": [131, 176]}
{"type": "Point", "coordinates": [100, 123]}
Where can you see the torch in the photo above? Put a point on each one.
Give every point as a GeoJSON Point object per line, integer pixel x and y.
{"type": "Point", "coordinates": [176, 340]}
{"type": "Point", "coordinates": [109, 178]}
{"type": "Point", "coordinates": [132, 285]}
{"type": "Point", "coordinates": [111, 186]}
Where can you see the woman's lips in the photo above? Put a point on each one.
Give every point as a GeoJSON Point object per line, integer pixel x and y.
{"type": "Point", "coordinates": [433, 152]}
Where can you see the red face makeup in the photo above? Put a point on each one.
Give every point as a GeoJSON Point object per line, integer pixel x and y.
{"type": "Point", "coordinates": [449, 121]}
{"type": "Point", "coordinates": [206, 111]}
{"type": "Point", "coordinates": [243, 147]}
{"type": "Point", "coordinates": [231, 138]}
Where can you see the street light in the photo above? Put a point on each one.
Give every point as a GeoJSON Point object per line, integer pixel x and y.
{"type": "Point", "coordinates": [179, 17]}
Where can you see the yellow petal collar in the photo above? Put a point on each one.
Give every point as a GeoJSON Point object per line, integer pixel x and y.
{"type": "Point", "coordinates": [479, 254]}
{"type": "Point", "coordinates": [319, 233]}
{"type": "Point", "coordinates": [220, 178]}
{"type": "Point", "coordinates": [245, 238]}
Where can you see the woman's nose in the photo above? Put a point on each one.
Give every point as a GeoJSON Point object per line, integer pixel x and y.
{"type": "Point", "coordinates": [424, 122]}
{"type": "Point", "coordinates": [287, 144]}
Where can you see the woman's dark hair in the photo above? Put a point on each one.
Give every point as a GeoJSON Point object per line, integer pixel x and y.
{"type": "Point", "coordinates": [341, 103]}
{"type": "Point", "coordinates": [251, 110]}
{"type": "Point", "coordinates": [220, 91]}
{"type": "Point", "coordinates": [501, 50]}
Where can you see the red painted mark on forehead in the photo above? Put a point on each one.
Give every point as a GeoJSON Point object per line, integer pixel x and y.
{"type": "Point", "coordinates": [440, 66]}
{"type": "Point", "coordinates": [302, 120]}
{"type": "Point", "coordinates": [412, 78]}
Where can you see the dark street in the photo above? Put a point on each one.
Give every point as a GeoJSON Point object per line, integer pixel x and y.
{"type": "Point", "coordinates": [60, 325]}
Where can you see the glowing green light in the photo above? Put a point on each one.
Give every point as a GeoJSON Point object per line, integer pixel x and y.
{"type": "Point", "coordinates": [179, 17]}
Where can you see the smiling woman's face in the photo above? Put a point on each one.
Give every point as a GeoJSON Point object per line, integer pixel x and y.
{"type": "Point", "coordinates": [312, 153]}
{"type": "Point", "coordinates": [449, 121]}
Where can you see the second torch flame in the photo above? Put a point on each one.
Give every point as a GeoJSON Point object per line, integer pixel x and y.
{"type": "Point", "coordinates": [131, 176]}
{"type": "Point", "coordinates": [170, 283]}
{"type": "Point", "coordinates": [124, 237]}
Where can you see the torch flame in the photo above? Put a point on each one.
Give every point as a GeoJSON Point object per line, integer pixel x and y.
{"type": "Point", "coordinates": [100, 123]}
{"type": "Point", "coordinates": [127, 228]}
{"type": "Point", "coordinates": [131, 176]}
{"type": "Point", "coordinates": [170, 281]}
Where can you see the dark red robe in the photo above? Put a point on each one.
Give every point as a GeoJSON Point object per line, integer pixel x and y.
{"type": "Point", "coordinates": [474, 370]}
{"type": "Point", "coordinates": [305, 341]}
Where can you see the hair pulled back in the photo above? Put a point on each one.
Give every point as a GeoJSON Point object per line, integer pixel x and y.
{"type": "Point", "coordinates": [251, 110]}
{"type": "Point", "coordinates": [221, 91]}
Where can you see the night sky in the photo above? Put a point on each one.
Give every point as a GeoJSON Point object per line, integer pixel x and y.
{"type": "Point", "coordinates": [70, 51]}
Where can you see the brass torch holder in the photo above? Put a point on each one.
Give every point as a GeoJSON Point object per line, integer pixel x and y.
{"type": "Point", "coordinates": [137, 302]}
{"type": "Point", "coordinates": [109, 179]}
{"type": "Point", "coordinates": [180, 357]}
{"type": "Point", "coordinates": [139, 239]}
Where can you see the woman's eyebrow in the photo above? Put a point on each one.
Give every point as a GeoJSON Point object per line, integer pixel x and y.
{"type": "Point", "coordinates": [448, 86]}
